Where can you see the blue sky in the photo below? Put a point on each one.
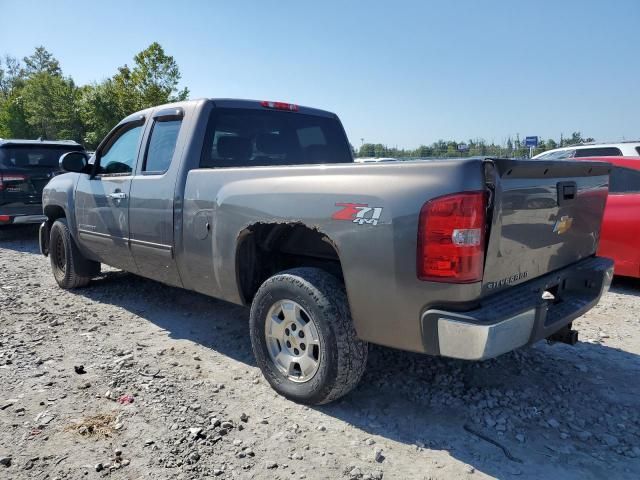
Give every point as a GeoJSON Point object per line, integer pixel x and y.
{"type": "Point", "coordinates": [400, 73]}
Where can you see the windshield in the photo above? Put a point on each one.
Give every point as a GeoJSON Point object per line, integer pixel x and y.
{"type": "Point", "coordinates": [28, 156]}
{"type": "Point", "coordinates": [556, 155]}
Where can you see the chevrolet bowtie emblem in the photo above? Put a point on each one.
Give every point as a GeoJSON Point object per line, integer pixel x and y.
{"type": "Point", "coordinates": [563, 224]}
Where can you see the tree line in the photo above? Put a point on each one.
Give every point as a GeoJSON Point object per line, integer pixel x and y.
{"type": "Point", "coordinates": [38, 101]}
{"type": "Point", "coordinates": [513, 147]}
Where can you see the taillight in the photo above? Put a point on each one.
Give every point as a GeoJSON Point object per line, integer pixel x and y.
{"type": "Point", "coordinates": [279, 105]}
{"type": "Point", "coordinates": [12, 182]}
{"type": "Point", "coordinates": [451, 235]}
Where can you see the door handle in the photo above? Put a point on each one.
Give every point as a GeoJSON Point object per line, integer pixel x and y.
{"type": "Point", "coordinates": [117, 195]}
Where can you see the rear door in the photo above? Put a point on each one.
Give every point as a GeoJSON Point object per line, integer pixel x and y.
{"type": "Point", "coordinates": [151, 206]}
{"type": "Point", "coordinates": [546, 215]}
{"type": "Point", "coordinates": [102, 200]}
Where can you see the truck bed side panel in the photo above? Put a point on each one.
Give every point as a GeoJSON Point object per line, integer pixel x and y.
{"type": "Point", "coordinates": [378, 261]}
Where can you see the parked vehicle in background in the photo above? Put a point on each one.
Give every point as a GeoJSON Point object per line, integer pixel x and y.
{"type": "Point", "coordinates": [261, 204]}
{"type": "Point", "coordinates": [26, 166]}
{"type": "Point", "coordinates": [374, 159]}
{"type": "Point", "coordinates": [620, 234]}
{"type": "Point", "coordinates": [621, 149]}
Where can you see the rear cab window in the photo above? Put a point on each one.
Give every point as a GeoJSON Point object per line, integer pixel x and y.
{"type": "Point", "coordinates": [39, 157]}
{"type": "Point", "coordinates": [598, 152]}
{"type": "Point", "coordinates": [246, 137]}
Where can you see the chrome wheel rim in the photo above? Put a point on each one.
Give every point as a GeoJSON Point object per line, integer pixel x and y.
{"type": "Point", "coordinates": [292, 341]}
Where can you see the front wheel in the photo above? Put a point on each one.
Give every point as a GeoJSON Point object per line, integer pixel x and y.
{"type": "Point", "coordinates": [303, 337]}
{"type": "Point", "coordinates": [70, 268]}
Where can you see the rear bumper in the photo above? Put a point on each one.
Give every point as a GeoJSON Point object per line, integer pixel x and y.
{"type": "Point", "coordinates": [20, 213]}
{"type": "Point", "coordinates": [20, 219]}
{"type": "Point", "coordinates": [518, 316]}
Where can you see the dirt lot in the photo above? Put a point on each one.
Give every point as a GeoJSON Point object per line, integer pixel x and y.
{"type": "Point", "coordinates": [201, 409]}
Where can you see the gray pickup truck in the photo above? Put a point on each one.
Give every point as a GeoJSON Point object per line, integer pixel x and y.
{"type": "Point", "coordinates": [261, 204]}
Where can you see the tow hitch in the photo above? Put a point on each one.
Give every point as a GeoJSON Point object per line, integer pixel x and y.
{"type": "Point", "coordinates": [564, 335]}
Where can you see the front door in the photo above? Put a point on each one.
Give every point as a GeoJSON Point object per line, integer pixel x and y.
{"type": "Point", "coordinates": [102, 201]}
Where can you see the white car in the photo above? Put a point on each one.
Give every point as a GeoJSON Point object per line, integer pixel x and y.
{"type": "Point", "coordinates": [622, 149]}
{"type": "Point", "coordinates": [374, 159]}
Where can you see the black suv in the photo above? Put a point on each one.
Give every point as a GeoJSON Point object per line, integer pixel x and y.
{"type": "Point", "coordinates": [26, 166]}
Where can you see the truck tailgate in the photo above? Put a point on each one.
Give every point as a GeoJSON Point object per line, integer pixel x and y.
{"type": "Point", "coordinates": [545, 216]}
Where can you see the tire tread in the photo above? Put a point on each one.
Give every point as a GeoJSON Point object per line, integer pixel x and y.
{"type": "Point", "coordinates": [77, 273]}
{"type": "Point", "coordinates": [328, 294]}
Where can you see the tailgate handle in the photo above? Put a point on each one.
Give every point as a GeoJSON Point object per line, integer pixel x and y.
{"type": "Point", "coordinates": [567, 192]}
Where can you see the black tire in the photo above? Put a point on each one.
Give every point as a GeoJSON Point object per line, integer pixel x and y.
{"type": "Point", "coordinates": [70, 268]}
{"type": "Point", "coordinates": [343, 357]}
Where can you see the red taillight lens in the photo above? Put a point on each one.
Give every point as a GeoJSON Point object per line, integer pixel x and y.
{"type": "Point", "coordinates": [5, 218]}
{"type": "Point", "coordinates": [280, 105]}
{"type": "Point", "coordinates": [451, 235]}
{"type": "Point", "coordinates": [12, 182]}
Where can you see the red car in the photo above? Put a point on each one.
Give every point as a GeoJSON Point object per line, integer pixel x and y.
{"type": "Point", "coordinates": [620, 236]}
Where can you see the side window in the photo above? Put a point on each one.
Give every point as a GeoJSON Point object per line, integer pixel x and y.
{"type": "Point", "coordinates": [638, 150]}
{"type": "Point", "coordinates": [162, 144]}
{"type": "Point", "coordinates": [559, 154]}
{"type": "Point", "coordinates": [119, 155]}
{"type": "Point", "coordinates": [624, 180]}
{"type": "Point", "coordinates": [598, 152]}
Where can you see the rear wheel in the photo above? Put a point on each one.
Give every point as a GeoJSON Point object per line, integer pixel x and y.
{"type": "Point", "coordinates": [303, 337]}
{"type": "Point", "coordinates": [70, 268]}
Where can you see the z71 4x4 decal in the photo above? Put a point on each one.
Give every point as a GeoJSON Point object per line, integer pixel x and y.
{"type": "Point", "coordinates": [360, 213]}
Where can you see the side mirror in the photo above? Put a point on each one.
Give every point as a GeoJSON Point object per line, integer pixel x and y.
{"type": "Point", "coordinates": [74, 162]}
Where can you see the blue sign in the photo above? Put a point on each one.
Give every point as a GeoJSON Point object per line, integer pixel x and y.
{"type": "Point", "coordinates": [531, 141]}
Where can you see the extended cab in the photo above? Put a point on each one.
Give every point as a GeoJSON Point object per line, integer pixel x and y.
{"type": "Point", "coordinates": [260, 204]}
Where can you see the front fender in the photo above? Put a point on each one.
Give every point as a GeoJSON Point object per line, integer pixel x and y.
{"type": "Point", "coordinates": [58, 199]}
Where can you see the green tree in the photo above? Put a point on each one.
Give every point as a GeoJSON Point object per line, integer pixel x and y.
{"type": "Point", "coordinates": [50, 106]}
{"type": "Point", "coordinates": [423, 151]}
{"type": "Point", "coordinates": [152, 81]}
{"type": "Point", "coordinates": [41, 61]}
{"type": "Point", "coordinates": [366, 150]}
{"type": "Point", "coordinates": [12, 118]}
{"type": "Point", "coordinates": [155, 77]}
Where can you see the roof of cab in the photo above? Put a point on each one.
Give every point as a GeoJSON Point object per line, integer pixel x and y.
{"type": "Point", "coordinates": [18, 141]}
{"type": "Point", "coordinates": [225, 103]}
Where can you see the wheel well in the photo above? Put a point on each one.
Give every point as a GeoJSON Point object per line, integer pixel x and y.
{"type": "Point", "coordinates": [53, 212]}
{"type": "Point", "coordinates": [266, 249]}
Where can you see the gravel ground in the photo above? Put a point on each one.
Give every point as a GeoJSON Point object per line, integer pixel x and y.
{"type": "Point", "coordinates": [132, 379]}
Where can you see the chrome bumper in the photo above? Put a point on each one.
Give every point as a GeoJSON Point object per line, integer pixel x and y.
{"type": "Point", "coordinates": [468, 341]}
{"type": "Point", "coordinates": [519, 315]}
